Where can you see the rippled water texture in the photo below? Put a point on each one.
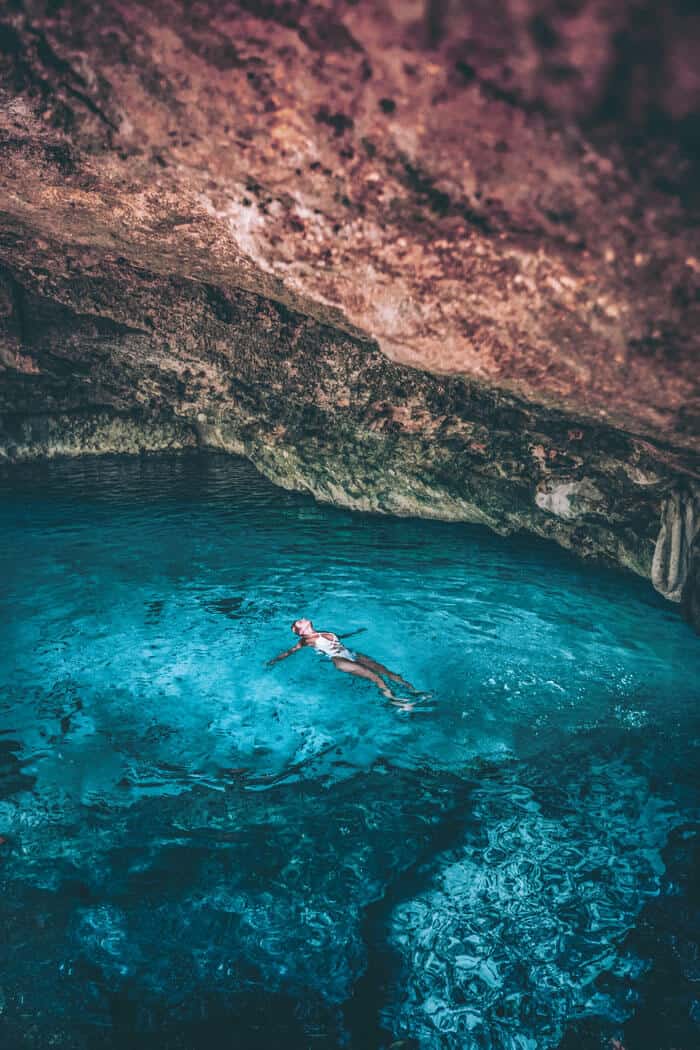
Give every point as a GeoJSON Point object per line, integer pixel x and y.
{"type": "Point", "coordinates": [199, 851]}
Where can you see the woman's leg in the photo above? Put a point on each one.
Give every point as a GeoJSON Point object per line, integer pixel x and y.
{"type": "Point", "coordinates": [374, 665]}
{"type": "Point", "coordinates": [360, 671]}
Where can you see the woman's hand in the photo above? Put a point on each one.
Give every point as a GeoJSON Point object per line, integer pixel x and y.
{"type": "Point", "coordinates": [285, 654]}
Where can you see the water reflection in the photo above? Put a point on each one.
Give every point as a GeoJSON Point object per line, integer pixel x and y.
{"type": "Point", "coordinates": [195, 843]}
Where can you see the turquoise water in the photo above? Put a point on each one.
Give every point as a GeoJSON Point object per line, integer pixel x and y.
{"type": "Point", "coordinates": [200, 850]}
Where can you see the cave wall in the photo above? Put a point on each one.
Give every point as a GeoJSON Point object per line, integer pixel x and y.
{"type": "Point", "coordinates": [423, 258]}
{"type": "Point", "coordinates": [178, 364]}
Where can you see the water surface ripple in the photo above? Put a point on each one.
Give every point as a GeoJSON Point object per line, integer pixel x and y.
{"type": "Point", "coordinates": [200, 851]}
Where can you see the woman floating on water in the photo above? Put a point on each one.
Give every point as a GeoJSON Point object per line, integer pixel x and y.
{"type": "Point", "coordinates": [328, 644]}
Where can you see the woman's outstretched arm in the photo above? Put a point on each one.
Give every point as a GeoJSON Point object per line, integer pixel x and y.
{"type": "Point", "coordinates": [285, 654]}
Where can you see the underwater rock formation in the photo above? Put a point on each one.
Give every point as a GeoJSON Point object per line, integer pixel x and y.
{"type": "Point", "coordinates": [436, 259]}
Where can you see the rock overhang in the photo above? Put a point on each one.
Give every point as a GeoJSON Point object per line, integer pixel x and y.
{"type": "Point", "coordinates": [505, 195]}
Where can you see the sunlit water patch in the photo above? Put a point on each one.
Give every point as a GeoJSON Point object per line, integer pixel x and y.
{"type": "Point", "coordinates": [195, 844]}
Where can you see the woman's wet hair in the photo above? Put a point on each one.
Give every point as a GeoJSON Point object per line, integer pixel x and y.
{"type": "Point", "coordinates": [302, 619]}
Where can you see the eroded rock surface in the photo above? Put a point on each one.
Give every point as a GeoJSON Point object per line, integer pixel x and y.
{"type": "Point", "coordinates": [433, 258]}
{"type": "Point", "coordinates": [680, 524]}
{"type": "Point", "coordinates": [179, 363]}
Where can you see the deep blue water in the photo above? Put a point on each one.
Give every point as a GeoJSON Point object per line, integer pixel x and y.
{"type": "Point", "coordinates": [200, 851]}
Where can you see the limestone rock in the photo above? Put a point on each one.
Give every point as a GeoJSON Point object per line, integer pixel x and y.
{"type": "Point", "coordinates": [432, 258]}
{"type": "Point", "coordinates": [571, 500]}
{"type": "Point", "coordinates": [680, 524]}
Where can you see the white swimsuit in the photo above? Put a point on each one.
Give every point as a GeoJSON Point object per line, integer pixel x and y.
{"type": "Point", "coordinates": [332, 648]}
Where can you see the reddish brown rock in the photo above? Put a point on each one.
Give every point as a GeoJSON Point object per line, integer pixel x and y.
{"type": "Point", "coordinates": [504, 192]}
{"type": "Point", "coordinates": [408, 171]}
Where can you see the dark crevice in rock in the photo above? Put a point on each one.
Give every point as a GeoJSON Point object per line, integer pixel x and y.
{"type": "Point", "coordinates": [92, 106]}
{"type": "Point", "coordinates": [423, 186]}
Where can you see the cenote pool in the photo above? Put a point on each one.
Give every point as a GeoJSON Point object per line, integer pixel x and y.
{"type": "Point", "coordinates": [200, 851]}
